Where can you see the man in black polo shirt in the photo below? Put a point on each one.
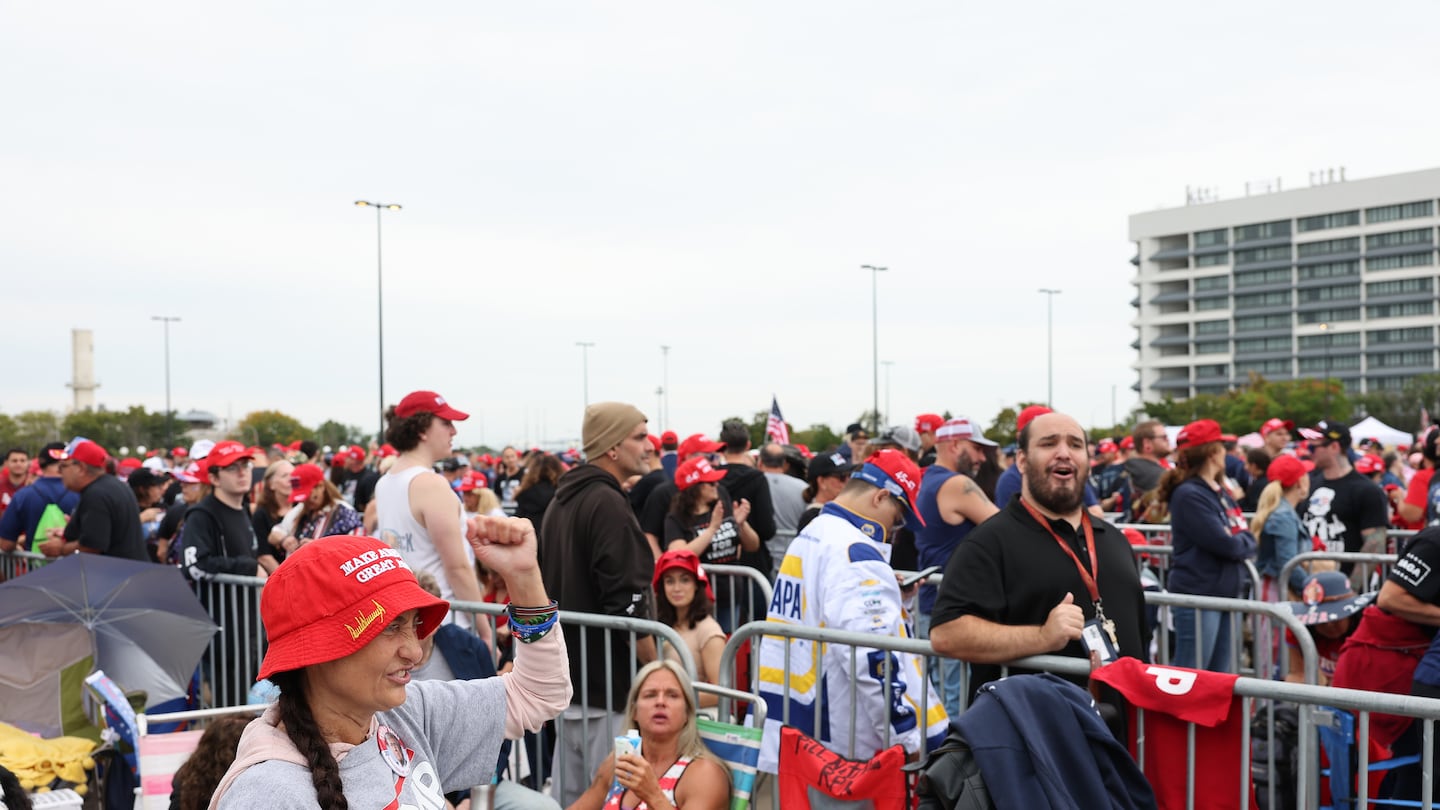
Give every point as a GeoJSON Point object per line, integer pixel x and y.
{"type": "Point", "coordinates": [107, 518]}
{"type": "Point", "coordinates": [1021, 582]}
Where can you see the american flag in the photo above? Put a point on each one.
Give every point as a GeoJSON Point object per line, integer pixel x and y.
{"type": "Point", "coordinates": [775, 426]}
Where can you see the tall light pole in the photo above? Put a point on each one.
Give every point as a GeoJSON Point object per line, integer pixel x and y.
{"type": "Point", "coordinates": [664, 414]}
{"type": "Point", "coordinates": [585, 367]}
{"type": "Point", "coordinates": [167, 320]}
{"type": "Point", "coordinates": [380, 299]}
{"type": "Point", "coordinates": [874, 344]}
{"type": "Point", "coordinates": [889, 418]}
{"type": "Point", "coordinates": [1049, 345]}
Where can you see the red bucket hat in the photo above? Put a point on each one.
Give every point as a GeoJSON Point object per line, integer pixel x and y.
{"type": "Point", "coordinates": [684, 559]}
{"type": "Point", "coordinates": [330, 599]}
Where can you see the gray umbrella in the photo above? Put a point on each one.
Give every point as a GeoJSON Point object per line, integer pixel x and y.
{"type": "Point", "coordinates": [149, 628]}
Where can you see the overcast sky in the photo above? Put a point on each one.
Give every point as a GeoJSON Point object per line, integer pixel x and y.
{"type": "Point", "coordinates": [708, 177]}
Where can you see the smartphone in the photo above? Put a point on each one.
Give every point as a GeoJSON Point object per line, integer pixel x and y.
{"type": "Point", "coordinates": [919, 576]}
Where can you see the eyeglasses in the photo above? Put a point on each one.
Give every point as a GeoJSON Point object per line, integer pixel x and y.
{"type": "Point", "coordinates": [239, 466]}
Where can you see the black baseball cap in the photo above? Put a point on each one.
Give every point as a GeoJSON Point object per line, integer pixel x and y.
{"type": "Point", "coordinates": [827, 464]}
{"type": "Point", "coordinates": [1328, 431]}
{"type": "Point", "coordinates": [52, 453]}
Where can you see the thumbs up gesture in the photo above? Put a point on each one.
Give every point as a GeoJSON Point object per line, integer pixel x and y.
{"type": "Point", "coordinates": [1063, 625]}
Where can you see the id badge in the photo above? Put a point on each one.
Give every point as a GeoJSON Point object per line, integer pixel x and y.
{"type": "Point", "coordinates": [1098, 641]}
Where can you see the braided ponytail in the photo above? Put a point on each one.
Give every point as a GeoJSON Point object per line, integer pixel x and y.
{"type": "Point", "coordinates": [305, 734]}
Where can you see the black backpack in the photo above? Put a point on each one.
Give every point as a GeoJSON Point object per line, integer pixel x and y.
{"type": "Point", "coordinates": [1286, 751]}
{"type": "Point", "coordinates": [950, 778]}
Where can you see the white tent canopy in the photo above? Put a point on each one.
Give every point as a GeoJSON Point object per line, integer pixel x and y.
{"type": "Point", "coordinates": [1372, 428]}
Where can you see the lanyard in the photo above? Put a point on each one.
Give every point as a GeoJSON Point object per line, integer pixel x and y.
{"type": "Point", "coordinates": [1088, 578]}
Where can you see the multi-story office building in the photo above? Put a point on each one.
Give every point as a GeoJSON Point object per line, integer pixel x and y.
{"type": "Point", "coordinates": [1334, 280]}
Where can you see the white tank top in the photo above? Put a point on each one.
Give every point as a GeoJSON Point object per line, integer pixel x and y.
{"type": "Point", "coordinates": [396, 525]}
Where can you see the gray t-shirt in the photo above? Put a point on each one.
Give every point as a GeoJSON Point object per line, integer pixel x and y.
{"type": "Point", "coordinates": [453, 728]}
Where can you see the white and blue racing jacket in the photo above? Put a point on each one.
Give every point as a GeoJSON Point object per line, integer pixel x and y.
{"type": "Point", "coordinates": [836, 574]}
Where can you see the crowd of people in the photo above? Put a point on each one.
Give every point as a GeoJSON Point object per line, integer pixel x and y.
{"type": "Point", "coordinates": [627, 524]}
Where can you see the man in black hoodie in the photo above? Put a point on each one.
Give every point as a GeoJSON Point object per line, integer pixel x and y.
{"type": "Point", "coordinates": [595, 559]}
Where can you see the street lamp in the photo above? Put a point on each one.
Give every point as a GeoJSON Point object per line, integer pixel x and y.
{"type": "Point", "coordinates": [889, 417]}
{"type": "Point", "coordinates": [167, 320]}
{"type": "Point", "coordinates": [1049, 346]}
{"type": "Point", "coordinates": [664, 415]}
{"type": "Point", "coordinates": [585, 367]}
{"type": "Point", "coordinates": [874, 344]}
{"type": "Point", "coordinates": [380, 299]}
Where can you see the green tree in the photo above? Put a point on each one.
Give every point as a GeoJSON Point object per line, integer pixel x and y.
{"type": "Point", "coordinates": [28, 430]}
{"type": "Point", "coordinates": [134, 427]}
{"type": "Point", "coordinates": [819, 438]}
{"type": "Point", "coordinates": [265, 428]}
{"type": "Point", "coordinates": [1401, 409]}
{"type": "Point", "coordinates": [1002, 428]}
{"type": "Point", "coordinates": [334, 434]}
{"type": "Point", "coordinates": [1242, 410]}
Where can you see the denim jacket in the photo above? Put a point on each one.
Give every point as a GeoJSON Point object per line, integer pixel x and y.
{"type": "Point", "coordinates": [1282, 538]}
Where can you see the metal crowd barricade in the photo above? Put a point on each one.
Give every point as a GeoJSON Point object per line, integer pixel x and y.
{"type": "Point", "coordinates": [1381, 561]}
{"type": "Point", "coordinates": [1262, 663]}
{"type": "Point", "coordinates": [751, 583]}
{"type": "Point", "coordinates": [233, 658]}
{"type": "Point", "coordinates": [18, 563]}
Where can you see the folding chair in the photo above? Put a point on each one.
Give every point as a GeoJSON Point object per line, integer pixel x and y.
{"type": "Point", "coordinates": [739, 747]}
{"type": "Point", "coordinates": [1336, 728]}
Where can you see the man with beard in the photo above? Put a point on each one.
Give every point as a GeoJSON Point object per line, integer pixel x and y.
{"type": "Point", "coordinates": [1029, 579]}
{"type": "Point", "coordinates": [951, 504]}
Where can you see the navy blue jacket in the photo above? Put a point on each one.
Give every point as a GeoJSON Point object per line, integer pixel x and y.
{"type": "Point", "coordinates": [29, 504]}
{"type": "Point", "coordinates": [1040, 743]}
{"type": "Point", "coordinates": [1208, 557]}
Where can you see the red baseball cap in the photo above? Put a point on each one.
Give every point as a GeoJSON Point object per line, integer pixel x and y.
{"type": "Point", "coordinates": [1127, 443]}
{"type": "Point", "coordinates": [131, 463]}
{"type": "Point", "coordinates": [694, 471]}
{"type": "Point", "coordinates": [1197, 433]}
{"type": "Point", "coordinates": [191, 474]}
{"type": "Point", "coordinates": [894, 472]}
{"type": "Point", "coordinates": [88, 452]}
{"type": "Point", "coordinates": [697, 443]}
{"type": "Point", "coordinates": [387, 450]}
{"type": "Point", "coordinates": [669, 437]}
{"type": "Point", "coordinates": [1274, 424]}
{"type": "Point", "coordinates": [179, 452]}
{"type": "Point", "coordinates": [473, 480]}
{"type": "Point", "coordinates": [927, 422]}
{"type": "Point", "coordinates": [1028, 415]}
{"type": "Point", "coordinates": [684, 559]}
{"type": "Point", "coordinates": [428, 402]}
{"type": "Point", "coordinates": [1288, 470]}
{"type": "Point", "coordinates": [226, 453]}
{"type": "Point", "coordinates": [294, 446]}
{"type": "Point", "coordinates": [304, 480]}
{"type": "Point", "coordinates": [1369, 464]}
{"type": "Point", "coordinates": [330, 599]}
{"type": "Point", "coordinates": [1106, 446]}
{"type": "Point", "coordinates": [354, 451]}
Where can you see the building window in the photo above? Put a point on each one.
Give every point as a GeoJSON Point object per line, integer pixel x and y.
{"type": "Point", "coordinates": [1205, 239]}
{"type": "Point", "coordinates": [1402, 286]}
{"type": "Point", "coordinates": [1416, 236]}
{"type": "Point", "coordinates": [1330, 340]}
{"type": "Point", "coordinates": [1320, 365]}
{"type": "Point", "coordinates": [1212, 303]}
{"type": "Point", "coordinates": [1390, 213]}
{"type": "Point", "coordinates": [1263, 230]}
{"type": "Point", "coordinates": [1177, 373]}
{"type": "Point", "coordinates": [1404, 260]}
{"type": "Point", "coordinates": [1329, 270]}
{"type": "Point", "coordinates": [1251, 278]}
{"type": "Point", "coordinates": [1328, 248]}
{"type": "Point", "coordinates": [1212, 347]}
{"type": "Point", "coordinates": [1328, 315]}
{"type": "Point", "coordinates": [1217, 370]}
{"type": "Point", "coordinates": [1405, 310]}
{"type": "Point", "coordinates": [1343, 219]}
{"type": "Point", "coordinates": [1212, 259]}
{"type": "Point", "coordinates": [1340, 292]}
{"type": "Point", "coordinates": [1266, 299]}
{"type": "Point", "coordinates": [1415, 334]}
{"type": "Point", "coordinates": [1411, 359]}
{"type": "Point", "coordinates": [1277, 253]}
{"type": "Point", "coordinates": [1212, 283]}
{"type": "Point", "coordinates": [1212, 327]}
{"type": "Point", "coordinates": [1263, 367]}
{"type": "Point", "coordinates": [1174, 351]}
{"type": "Point", "coordinates": [1252, 323]}
{"type": "Point", "coordinates": [1385, 383]}
{"type": "Point", "coordinates": [1257, 345]}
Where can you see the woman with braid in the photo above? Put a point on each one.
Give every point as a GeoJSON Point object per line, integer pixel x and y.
{"type": "Point", "coordinates": [344, 618]}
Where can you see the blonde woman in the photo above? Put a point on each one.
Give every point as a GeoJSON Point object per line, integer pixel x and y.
{"type": "Point", "coordinates": [673, 767]}
{"type": "Point", "coordinates": [1277, 525]}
